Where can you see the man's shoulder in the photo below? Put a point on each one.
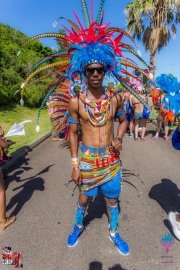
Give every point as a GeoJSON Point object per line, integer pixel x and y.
{"type": "Point", "coordinates": [73, 102]}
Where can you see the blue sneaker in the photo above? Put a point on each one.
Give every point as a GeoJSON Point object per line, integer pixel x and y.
{"type": "Point", "coordinates": [121, 245]}
{"type": "Point", "coordinates": [73, 237]}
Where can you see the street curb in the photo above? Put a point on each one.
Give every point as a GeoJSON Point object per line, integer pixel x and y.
{"type": "Point", "coordinates": [24, 151]}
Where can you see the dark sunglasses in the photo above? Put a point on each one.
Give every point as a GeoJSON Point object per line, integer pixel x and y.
{"type": "Point", "coordinates": [99, 70]}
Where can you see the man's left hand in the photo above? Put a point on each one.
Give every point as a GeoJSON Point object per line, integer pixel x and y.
{"type": "Point", "coordinates": [117, 145]}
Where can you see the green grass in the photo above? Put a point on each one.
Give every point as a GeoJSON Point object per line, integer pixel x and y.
{"type": "Point", "coordinates": [16, 114]}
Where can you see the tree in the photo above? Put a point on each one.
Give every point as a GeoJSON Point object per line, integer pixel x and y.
{"type": "Point", "coordinates": [62, 46]}
{"type": "Point", "coordinates": [152, 22]}
{"type": "Point", "coordinates": [14, 70]}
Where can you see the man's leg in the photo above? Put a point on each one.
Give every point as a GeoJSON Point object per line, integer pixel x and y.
{"type": "Point", "coordinates": [111, 191]}
{"type": "Point", "coordinates": [113, 213]}
{"type": "Point", "coordinates": [81, 208]}
{"type": "Point", "coordinates": [84, 199]}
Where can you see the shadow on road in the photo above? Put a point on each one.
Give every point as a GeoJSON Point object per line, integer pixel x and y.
{"type": "Point", "coordinates": [16, 176]}
{"type": "Point", "coordinates": [99, 266]}
{"type": "Point", "coordinates": [27, 189]}
{"type": "Point", "coordinates": [25, 194]}
{"type": "Point", "coordinates": [96, 209]}
{"type": "Point", "coordinates": [167, 195]}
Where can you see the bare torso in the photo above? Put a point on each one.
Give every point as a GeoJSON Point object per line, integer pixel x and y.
{"type": "Point", "coordinates": [97, 136]}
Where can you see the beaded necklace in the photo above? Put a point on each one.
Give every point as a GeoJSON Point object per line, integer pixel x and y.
{"type": "Point", "coordinates": [97, 111]}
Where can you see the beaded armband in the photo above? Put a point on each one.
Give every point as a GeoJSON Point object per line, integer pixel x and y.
{"type": "Point", "coordinates": [72, 120]}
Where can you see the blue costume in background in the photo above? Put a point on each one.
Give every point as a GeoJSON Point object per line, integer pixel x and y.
{"type": "Point", "coordinates": [171, 87]}
{"type": "Point", "coordinates": [176, 139]}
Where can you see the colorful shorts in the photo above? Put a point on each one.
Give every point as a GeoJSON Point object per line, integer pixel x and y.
{"type": "Point", "coordinates": [110, 189]}
{"type": "Point", "coordinates": [138, 115]}
{"type": "Point", "coordinates": [98, 166]}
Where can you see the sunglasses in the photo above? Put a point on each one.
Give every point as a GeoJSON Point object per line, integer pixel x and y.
{"type": "Point", "coordinates": [99, 70]}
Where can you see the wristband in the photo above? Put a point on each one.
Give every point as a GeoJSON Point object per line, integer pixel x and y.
{"type": "Point", "coordinates": [74, 159]}
{"type": "Point", "coordinates": [75, 162]}
{"type": "Point", "coordinates": [75, 168]}
{"type": "Point", "coordinates": [118, 139]}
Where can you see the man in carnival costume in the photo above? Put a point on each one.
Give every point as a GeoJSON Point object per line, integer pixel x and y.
{"type": "Point", "coordinates": [93, 52]}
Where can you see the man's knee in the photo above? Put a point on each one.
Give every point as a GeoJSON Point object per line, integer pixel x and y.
{"type": "Point", "coordinates": [111, 201]}
{"type": "Point", "coordinates": [83, 199]}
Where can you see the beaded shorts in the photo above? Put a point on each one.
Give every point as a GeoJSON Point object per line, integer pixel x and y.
{"type": "Point", "coordinates": [98, 166]}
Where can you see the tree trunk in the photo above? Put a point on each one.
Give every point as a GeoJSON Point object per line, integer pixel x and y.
{"type": "Point", "coordinates": [153, 62]}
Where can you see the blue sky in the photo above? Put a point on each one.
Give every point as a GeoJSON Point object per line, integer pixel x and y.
{"type": "Point", "coordinates": [34, 17]}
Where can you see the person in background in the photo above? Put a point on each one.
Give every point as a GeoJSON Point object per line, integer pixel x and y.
{"type": "Point", "coordinates": [162, 119]}
{"type": "Point", "coordinates": [131, 119]}
{"type": "Point", "coordinates": [174, 217]}
{"type": "Point", "coordinates": [4, 221]}
{"type": "Point", "coordinates": [138, 114]}
{"type": "Point", "coordinates": [127, 107]}
{"type": "Point", "coordinates": [3, 155]}
{"type": "Point", "coordinates": [170, 100]}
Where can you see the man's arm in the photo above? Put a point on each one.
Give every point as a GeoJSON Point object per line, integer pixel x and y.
{"type": "Point", "coordinates": [73, 127]}
{"type": "Point", "coordinates": [120, 113]}
{"type": "Point", "coordinates": [73, 139]}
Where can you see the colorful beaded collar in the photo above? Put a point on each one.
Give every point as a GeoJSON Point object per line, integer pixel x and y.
{"type": "Point", "coordinates": [96, 111]}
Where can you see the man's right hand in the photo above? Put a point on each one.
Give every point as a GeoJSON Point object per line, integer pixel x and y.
{"type": "Point", "coordinates": [76, 176]}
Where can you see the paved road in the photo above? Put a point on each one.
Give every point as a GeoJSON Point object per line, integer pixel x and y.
{"type": "Point", "coordinates": [38, 194]}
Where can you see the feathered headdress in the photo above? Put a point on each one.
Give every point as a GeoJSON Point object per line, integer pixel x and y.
{"type": "Point", "coordinates": [95, 43]}
{"type": "Point", "coordinates": [169, 84]}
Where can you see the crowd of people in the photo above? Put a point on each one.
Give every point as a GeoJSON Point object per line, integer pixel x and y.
{"type": "Point", "coordinates": [137, 116]}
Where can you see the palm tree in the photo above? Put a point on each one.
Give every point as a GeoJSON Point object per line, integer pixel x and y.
{"type": "Point", "coordinates": [153, 22]}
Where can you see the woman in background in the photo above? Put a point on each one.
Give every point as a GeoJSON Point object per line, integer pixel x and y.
{"type": "Point", "coordinates": [138, 108]}
{"type": "Point", "coordinates": [4, 221]}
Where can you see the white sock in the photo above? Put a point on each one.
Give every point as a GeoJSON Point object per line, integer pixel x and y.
{"type": "Point", "coordinates": [157, 134]}
{"type": "Point", "coordinates": [112, 234]}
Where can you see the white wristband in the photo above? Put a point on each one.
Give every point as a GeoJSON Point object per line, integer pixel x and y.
{"type": "Point", "coordinates": [74, 159]}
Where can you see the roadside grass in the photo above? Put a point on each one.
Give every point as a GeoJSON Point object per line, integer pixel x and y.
{"type": "Point", "coordinates": [14, 113]}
